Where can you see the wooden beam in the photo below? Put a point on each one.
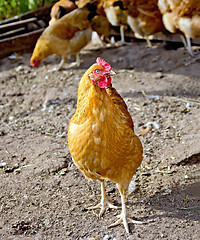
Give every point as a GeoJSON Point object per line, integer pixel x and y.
{"type": "Point", "coordinates": [24, 42]}
{"type": "Point", "coordinates": [12, 32]}
{"type": "Point", "coordinates": [17, 24]}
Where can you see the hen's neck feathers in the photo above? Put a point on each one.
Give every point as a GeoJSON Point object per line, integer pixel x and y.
{"type": "Point", "coordinates": [92, 101]}
{"type": "Point", "coordinates": [90, 98]}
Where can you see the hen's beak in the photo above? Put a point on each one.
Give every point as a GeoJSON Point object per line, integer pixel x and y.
{"type": "Point", "coordinates": [111, 73]}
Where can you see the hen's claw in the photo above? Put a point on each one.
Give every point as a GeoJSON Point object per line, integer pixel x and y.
{"type": "Point", "coordinates": [123, 216]}
{"type": "Point", "coordinates": [74, 64]}
{"type": "Point", "coordinates": [124, 220]}
{"type": "Point", "coordinates": [103, 206]}
{"type": "Point", "coordinates": [77, 63]}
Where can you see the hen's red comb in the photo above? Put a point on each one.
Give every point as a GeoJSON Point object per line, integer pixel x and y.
{"type": "Point", "coordinates": [103, 63]}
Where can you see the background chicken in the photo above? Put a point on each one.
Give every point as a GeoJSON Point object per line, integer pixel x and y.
{"type": "Point", "coordinates": [101, 136]}
{"type": "Point", "coordinates": [66, 36]}
{"type": "Point", "coordinates": [116, 15]}
{"type": "Point", "coordinates": [60, 8]}
{"type": "Point", "coordinates": [100, 23]}
{"type": "Point", "coordinates": [144, 17]}
{"type": "Point", "coordinates": [182, 17]}
{"type": "Point", "coordinates": [102, 26]}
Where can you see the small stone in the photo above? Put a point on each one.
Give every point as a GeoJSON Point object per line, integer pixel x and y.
{"type": "Point", "coordinates": [11, 118]}
{"type": "Point", "coordinates": [166, 192]}
{"type": "Point", "coordinates": [2, 164]}
{"type": "Point", "coordinates": [19, 68]}
{"type": "Point", "coordinates": [159, 75]}
{"type": "Point", "coordinates": [83, 209]}
{"type": "Point", "coordinates": [106, 237]}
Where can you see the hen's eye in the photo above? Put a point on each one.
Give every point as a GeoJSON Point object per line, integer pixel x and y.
{"type": "Point", "coordinates": [97, 71]}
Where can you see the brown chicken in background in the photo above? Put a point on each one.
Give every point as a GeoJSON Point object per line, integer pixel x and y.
{"type": "Point", "coordinates": [100, 23]}
{"type": "Point", "coordinates": [102, 27]}
{"type": "Point", "coordinates": [61, 8]}
{"type": "Point", "coordinates": [68, 35]}
{"type": "Point", "coordinates": [182, 17]}
{"type": "Point", "coordinates": [144, 17]}
{"type": "Point", "coordinates": [116, 15]}
{"type": "Point", "coordinates": [101, 136]}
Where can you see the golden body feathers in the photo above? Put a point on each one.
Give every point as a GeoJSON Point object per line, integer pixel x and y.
{"type": "Point", "coordinates": [101, 137]}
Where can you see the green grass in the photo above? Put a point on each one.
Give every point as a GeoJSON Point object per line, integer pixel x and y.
{"type": "Point", "coordinates": [11, 8]}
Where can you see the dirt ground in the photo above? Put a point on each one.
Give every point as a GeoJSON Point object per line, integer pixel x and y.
{"type": "Point", "coordinates": [44, 196]}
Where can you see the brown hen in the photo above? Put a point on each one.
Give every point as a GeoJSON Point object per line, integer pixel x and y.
{"type": "Point", "coordinates": [68, 35]}
{"type": "Point", "coordinates": [101, 136]}
{"type": "Point", "coordinates": [144, 17]}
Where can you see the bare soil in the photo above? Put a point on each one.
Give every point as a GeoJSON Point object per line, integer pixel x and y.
{"type": "Point", "coordinates": [44, 196]}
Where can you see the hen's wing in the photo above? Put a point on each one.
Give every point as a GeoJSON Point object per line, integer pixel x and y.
{"type": "Point", "coordinates": [78, 17]}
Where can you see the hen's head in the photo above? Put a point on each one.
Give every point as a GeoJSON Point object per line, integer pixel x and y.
{"type": "Point", "coordinates": [40, 52]}
{"type": "Point", "coordinates": [34, 62]}
{"type": "Point", "coordinates": [101, 73]}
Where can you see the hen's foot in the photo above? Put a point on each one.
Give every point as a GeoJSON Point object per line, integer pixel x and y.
{"type": "Point", "coordinates": [75, 64]}
{"type": "Point", "coordinates": [120, 43]}
{"type": "Point", "coordinates": [78, 61]}
{"type": "Point", "coordinates": [58, 67]}
{"type": "Point", "coordinates": [103, 206]}
{"type": "Point", "coordinates": [124, 219]}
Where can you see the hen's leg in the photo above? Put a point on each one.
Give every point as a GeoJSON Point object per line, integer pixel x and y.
{"type": "Point", "coordinates": [123, 216]}
{"type": "Point", "coordinates": [104, 201]}
{"type": "Point", "coordinates": [189, 46]}
{"type": "Point", "coordinates": [78, 61]}
{"type": "Point", "coordinates": [122, 27]}
{"type": "Point", "coordinates": [149, 45]}
{"type": "Point", "coordinates": [60, 64]}
{"type": "Point", "coordinates": [58, 67]}
{"type": "Point", "coordinates": [184, 41]}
